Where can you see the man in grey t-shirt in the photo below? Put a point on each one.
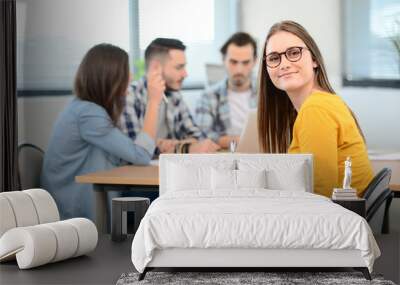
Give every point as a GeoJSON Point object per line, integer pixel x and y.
{"type": "Point", "coordinates": [223, 108]}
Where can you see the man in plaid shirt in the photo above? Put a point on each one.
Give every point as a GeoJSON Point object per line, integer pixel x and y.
{"type": "Point", "coordinates": [223, 108]}
{"type": "Point", "coordinates": [166, 69]}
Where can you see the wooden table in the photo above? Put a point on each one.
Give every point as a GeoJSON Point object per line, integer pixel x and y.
{"type": "Point", "coordinates": [392, 161]}
{"type": "Point", "coordinates": [125, 178]}
{"type": "Point", "coordinates": [124, 175]}
{"type": "Point", "coordinates": [395, 189]}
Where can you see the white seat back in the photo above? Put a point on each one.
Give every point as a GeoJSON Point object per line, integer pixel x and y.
{"type": "Point", "coordinates": [26, 208]}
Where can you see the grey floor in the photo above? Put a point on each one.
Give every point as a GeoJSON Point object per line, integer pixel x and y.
{"type": "Point", "coordinates": [103, 266]}
{"type": "Point", "coordinates": [110, 260]}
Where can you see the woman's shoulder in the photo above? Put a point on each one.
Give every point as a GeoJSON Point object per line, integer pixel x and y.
{"type": "Point", "coordinates": [79, 106]}
{"type": "Point", "coordinates": [89, 115]}
{"type": "Point", "coordinates": [325, 100]}
{"type": "Point", "coordinates": [324, 104]}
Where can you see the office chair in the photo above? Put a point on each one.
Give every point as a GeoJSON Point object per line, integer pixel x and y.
{"type": "Point", "coordinates": [30, 159]}
{"type": "Point", "coordinates": [378, 198]}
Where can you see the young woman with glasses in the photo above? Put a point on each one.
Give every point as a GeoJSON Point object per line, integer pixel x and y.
{"type": "Point", "coordinates": [299, 111]}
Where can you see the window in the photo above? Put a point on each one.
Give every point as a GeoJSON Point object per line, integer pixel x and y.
{"type": "Point", "coordinates": [54, 35]}
{"type": "Point", "coordinates": [203, 26]}
{"type": "Point", "coordinates": [372, 43]}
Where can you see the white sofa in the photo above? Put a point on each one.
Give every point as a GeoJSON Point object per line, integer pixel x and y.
{"type": "Point", "coordinates": [31, 231]}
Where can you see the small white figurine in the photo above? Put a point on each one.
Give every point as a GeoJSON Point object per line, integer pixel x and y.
{"type": "Point", "coordinates": [232, 146]}
{"type": "Point", "coordinates": [347, 174]}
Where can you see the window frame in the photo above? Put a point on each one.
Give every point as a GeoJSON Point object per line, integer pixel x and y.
{"type": "Point", "coordinates": [359, 82]}
{"type": "Point", "coordinates": [135, 36]}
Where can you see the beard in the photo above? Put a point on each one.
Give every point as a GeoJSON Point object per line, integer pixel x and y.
{"type": "Point", "coordinates": [171, 85]}
{"type": "Point", "coordinates": [238, 80]}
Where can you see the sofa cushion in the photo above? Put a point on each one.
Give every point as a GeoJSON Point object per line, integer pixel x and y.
{"type": "Point", "coordinates": [7, 215]}
{"type": "Point", "coordinates": [45, 205]}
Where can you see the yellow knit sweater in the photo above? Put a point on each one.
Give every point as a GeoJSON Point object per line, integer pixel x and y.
{"type": "Point", "coordinates": [325, 127]}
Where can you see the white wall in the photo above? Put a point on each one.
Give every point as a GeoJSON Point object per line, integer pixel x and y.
{"type": "Point", "coordinates": [378, 111]}
{"type": "Point", "coordinates": [53, 36]}
{"type": "Point", "coordinates": [36, 116]}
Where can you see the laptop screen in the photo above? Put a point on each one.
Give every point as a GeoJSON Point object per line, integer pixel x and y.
{"type": "Point", "coordinates": [248, 142]}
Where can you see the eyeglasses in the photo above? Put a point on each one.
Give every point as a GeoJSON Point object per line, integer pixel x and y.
{"type": "Point", "coordinates": [292, 54]}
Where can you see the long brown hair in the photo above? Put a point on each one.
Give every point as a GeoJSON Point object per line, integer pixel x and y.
{"type": "Point", "coordinates": [276, 113]}
{"type": "Point", "coordinates": [103, 78]}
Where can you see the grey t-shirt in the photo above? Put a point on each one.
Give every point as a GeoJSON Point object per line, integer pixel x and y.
{"type": "Point", "coordinates": [162, 128]}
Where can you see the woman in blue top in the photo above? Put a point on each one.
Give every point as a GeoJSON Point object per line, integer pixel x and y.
{"type": "Point", "coordinates": [85, 137]}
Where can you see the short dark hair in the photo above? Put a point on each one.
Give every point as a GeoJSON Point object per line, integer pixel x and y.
{"type": "Point", "coordinates": [103, 77]}
{"type": "Point", "coordinates": [161, 47]}
{"type": "Point", "coordinates": [240, 39]}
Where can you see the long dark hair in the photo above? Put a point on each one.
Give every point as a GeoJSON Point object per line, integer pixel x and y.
{"type": "Point", "coordinates": [276, 113]}
{"type": "Point", "coordinates": [103, 78]}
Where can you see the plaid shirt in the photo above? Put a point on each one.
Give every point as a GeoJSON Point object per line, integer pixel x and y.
{"type": "Point", "coordinates": [213, 112]}
{"type": "Point", "coordinates": [179, 121]}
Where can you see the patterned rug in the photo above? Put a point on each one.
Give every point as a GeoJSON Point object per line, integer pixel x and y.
{"type": "Point", "coordinates": [229, 278]}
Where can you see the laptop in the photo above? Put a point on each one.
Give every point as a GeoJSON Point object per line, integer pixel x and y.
{"type": "Point", "coordinates": [248, 142]}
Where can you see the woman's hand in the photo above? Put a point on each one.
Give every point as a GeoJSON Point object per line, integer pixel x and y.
{"type": "Point", "coordinates": [204, 146]}
{"type": "Point", "coordinates": [167, 145]}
